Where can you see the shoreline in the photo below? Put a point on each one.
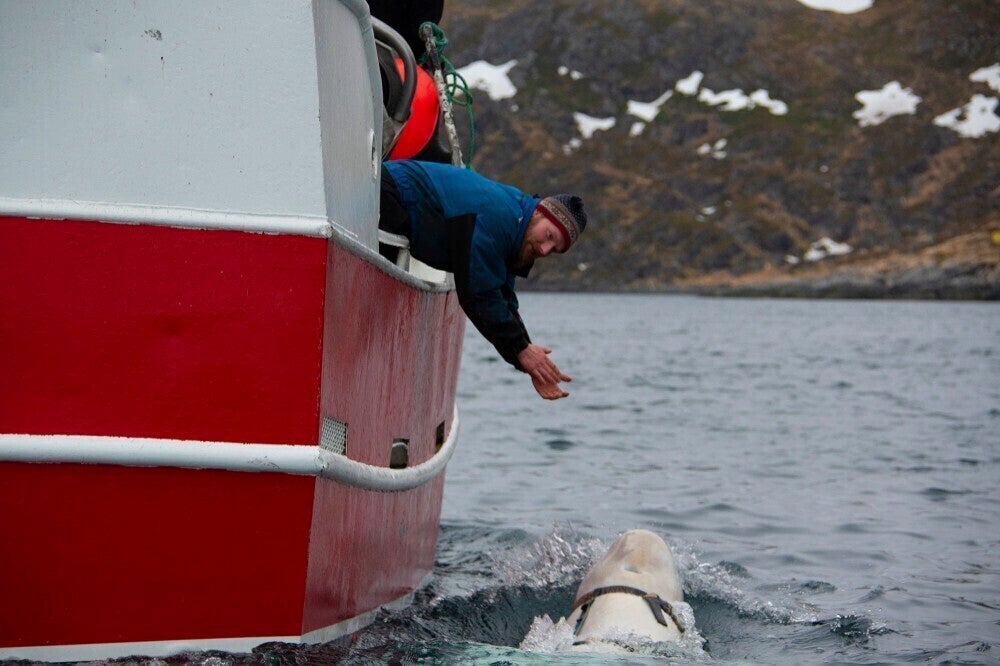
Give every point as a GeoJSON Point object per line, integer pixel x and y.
{"type": "Point", "coordinates": [966, 267]}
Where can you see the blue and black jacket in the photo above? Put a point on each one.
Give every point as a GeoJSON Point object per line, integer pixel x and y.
{"type": "Point", "coordinates": [471, 226]}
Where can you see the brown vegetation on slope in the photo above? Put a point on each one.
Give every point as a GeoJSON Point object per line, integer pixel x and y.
{"type": "Point", "coordinates": [786, 181]}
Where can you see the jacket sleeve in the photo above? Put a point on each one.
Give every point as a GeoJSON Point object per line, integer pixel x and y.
{"type": "Point", "coordinates": [484, 292]}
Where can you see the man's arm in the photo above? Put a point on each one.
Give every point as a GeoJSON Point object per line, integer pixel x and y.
{"type": "Point", "coordinates": [493, 310]}
{"type": "Point", "coordinates": [489, 313]}
{"type": "Point", "coordinates": [493, 316]}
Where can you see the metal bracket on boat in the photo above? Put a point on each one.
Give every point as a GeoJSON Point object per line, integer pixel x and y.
{"type": "Point", "coordinates": [229, 456]}
{"type": "Point", "coordinates": [397, 241]}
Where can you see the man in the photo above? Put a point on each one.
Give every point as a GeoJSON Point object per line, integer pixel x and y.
{"type": "Point", "coordinates": [486, 233]}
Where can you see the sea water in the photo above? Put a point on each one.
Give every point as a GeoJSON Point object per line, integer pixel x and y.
{"type": "Point", "coordinates": [825, 471]}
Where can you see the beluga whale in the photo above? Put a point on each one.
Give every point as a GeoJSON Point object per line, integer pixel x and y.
{"type": "Point", "coordinates": [634, 592]}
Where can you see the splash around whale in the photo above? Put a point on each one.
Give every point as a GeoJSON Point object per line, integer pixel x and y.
{"type": "Point", "coordinates": [631, 600]}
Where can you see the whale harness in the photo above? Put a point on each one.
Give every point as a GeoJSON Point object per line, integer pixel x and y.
{"type": "Point", "coordinates": [656, 604]}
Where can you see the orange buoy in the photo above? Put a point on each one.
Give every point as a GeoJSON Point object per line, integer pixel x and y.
{"type": "Point", "coordinates": [419, 129]}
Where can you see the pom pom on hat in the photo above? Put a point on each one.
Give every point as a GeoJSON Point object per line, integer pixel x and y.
{"type": "Point", "coordinates": [568, 214]}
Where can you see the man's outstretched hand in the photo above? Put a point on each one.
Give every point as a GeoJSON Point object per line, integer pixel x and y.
{"type": "Point", "coordinates": [545, 375]}
{"type": "Point", "coordinates": [548, 391]}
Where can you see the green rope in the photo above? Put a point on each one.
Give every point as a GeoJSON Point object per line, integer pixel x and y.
{"type": "Point", "coordinates": [455, 86]}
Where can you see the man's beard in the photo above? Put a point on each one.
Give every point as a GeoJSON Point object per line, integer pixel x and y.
{"type": "Point", "coordinates": [525, 257]}
{"type": "Point", "coordinates": [526, 254]}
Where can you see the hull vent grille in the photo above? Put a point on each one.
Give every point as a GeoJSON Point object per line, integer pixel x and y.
{"type": "Point", "coordinates": [333, 436]}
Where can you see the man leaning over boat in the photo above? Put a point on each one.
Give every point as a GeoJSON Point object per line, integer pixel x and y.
{"type": "Point", "coordinates": [487, 234]}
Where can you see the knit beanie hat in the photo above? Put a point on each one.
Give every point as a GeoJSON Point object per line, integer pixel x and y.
{"type": "Point", "coordinates": [568, 214]}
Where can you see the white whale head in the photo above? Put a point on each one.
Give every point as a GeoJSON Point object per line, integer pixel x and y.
{"type": "Point", "coordinates": [640, 562]}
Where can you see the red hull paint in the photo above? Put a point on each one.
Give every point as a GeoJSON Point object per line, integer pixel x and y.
{"type": "Point", "coordinates": [368, 548]}
{"type": "Point", "coordinates": [407, 379]}
{"type": "Point", "coordinates": [102, 554]}
{"type": "Point", "coordinates": [145, 331]}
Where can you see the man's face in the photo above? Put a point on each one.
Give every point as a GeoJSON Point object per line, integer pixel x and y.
{"type": "Point", "coordinates": [541, 239]}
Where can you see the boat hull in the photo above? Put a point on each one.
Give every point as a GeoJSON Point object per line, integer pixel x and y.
{"type": "Point", "coordinates": [194, 337]}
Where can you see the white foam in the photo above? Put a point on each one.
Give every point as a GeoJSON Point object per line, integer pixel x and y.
{"type": "Point", "coordinates": [880, 105]}
{"type": "Point", "coordinates": [988, 75]}
{"type": "Point", "coordinates": [975, 119]}
{"type": "Point", "coordinates": [839, 6]}
{"type": "Point", "coordinates": [637, 128]}
{"type": "Point", "coordinates": [690, 84]}
{"type": "Point", "coordinates": [561, 557]}
{"type": "Point", "coordinates": [491, 78]}
{"type": "Point", "coordinates": [547, 636]}
{"type": "Point", "coordinates": [715, 581]}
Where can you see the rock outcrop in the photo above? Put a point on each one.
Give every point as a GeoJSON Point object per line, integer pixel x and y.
{"type": "Point", "coordinates": [687, 194]}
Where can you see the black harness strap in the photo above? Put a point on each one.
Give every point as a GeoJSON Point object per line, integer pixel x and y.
{"type": "Point", "coordinates": [656, 605]}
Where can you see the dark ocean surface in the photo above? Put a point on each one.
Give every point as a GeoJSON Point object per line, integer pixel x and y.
{"type": "Point", "coordinates": [825, 471]}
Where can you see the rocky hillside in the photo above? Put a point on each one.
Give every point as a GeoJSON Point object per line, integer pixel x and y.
{"type": "Point", "coordinates": [688, 194]}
